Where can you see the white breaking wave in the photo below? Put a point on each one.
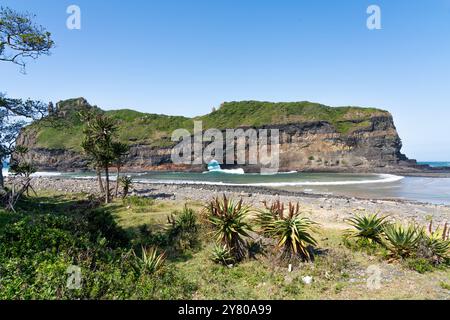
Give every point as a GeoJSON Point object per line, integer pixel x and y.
{"type": "Point", "coordinates": [384, 178]}
{"type": "Point", "coordinates": [36, 174]}
{"type": "Point", "coordinates": [229, 171]}
{"type": "Point", "coordinates": [46, 174]}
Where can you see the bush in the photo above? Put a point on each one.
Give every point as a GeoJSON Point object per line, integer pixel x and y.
{"type": "Point", "coordinates": [37, 251]}
{"type": "Point", "coordinates": [182, 229]}
{"type": "Point", "coordinates": [420, 265]}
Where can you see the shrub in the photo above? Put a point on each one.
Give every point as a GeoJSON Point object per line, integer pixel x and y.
{"type": "Point", "coordinates": [401, 241]}
{"type": "Point", "coordinates": [368, 228]}
{"type": "Point", "coordinates": [420, 265]}
{"type": "Point", "coordinates": [37, 250]}
{"type": "Point", "coordinates": [182, 229]}
{"type": "Point", "coordinates": [292, 232]}
{"type": "Point", "coordinates": [228, 219]}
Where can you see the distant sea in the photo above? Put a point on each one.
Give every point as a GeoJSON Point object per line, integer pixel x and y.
{"type": "Point", "coordinates": [435, 164]}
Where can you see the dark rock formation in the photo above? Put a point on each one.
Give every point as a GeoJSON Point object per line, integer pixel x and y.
{"type": "Point", "coordinates": [373, 145]}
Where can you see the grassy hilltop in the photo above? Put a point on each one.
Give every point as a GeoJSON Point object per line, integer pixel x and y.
{"type": "Point", "coordinates": [154, 129]}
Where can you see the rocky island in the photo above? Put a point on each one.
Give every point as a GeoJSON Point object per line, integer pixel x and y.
{"type": "Point", "coordinates": [313, 137]}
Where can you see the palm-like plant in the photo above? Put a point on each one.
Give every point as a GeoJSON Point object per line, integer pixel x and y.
{"type": "Point", "coordinates": [401, 240]}
{"type": "Point", "coordinates": [99, 133]}
{"type": "Point", "coordinates": [228, 219]}
{"type": "Point", "coordinates": [119, 150]}
{"type": "Point", "coordinates": [151, 261]}
{"type": "Point", "coordinates": [368, 227]}
{"type": "Point", "coordinates": [126, 183]}
{"type": "Point", "coordinates": [292, 231]}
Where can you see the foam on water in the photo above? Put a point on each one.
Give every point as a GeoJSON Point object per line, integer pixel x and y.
{"type": "Point", "coordinates": [228, 171]}
{"type": "Point", "coordinates": [46, 174]}
{"type": "Point", "coordinates": [36, 174]}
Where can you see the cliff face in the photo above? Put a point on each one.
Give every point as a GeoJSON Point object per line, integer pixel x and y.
{"type": "Point", "coordinates": [364, 143]}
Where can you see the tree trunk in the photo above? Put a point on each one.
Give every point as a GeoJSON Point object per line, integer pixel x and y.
{"type": "Point", "coordinates": [117, 181]}
{"type": "Point", "coordinates": [107, 198]}
{"type": "Point", "coordinates": [100, 181]}
{"type": "Point", "coordinates": [2, 181]}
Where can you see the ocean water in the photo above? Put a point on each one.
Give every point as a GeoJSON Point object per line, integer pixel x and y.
{"type": "Point", "coordinates": [5, 172]}
{"type": "Point", "coordinates": [436, 164]}
{"type": "Point", "coordinates": [5, 168]}
{"type": "Point", "coordinates": [371, 186]}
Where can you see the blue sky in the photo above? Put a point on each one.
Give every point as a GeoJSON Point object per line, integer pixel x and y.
{"type": "Point", "coordinates": [185, 57]}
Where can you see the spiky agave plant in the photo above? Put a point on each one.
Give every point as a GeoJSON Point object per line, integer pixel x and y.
{"type": "Point", "coordinates": [266, 216]}
{"type": "Point", "coordinates": [435, 244]}
{"type": "Point", "coordinates": [292, 231]}
{"type": "Point", "coordinates": [222, 255]}
{"type": "Point", "coordinates": [150, 261]}
{"type": "Point", "coordinates": [228, 218]}
{"type": "Point", "coordinates": [369, 227]}
{"type": "Point", "coordinates": [401, 240]}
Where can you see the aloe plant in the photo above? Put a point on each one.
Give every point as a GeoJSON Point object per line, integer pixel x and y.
{"type": "Point", "coordinates": [150, 261]}
{"type": "Point", "coordinates": [291, 230]}
{"type": "Point", "coordinates": [222, 255]}
{"type": "Point", "coordinates": [401, 240]}
{"type": "Point", "coordinates": [435, 244]}
{"type": "Point", "coordinates": [368, 227]}
{"type": "Point", "coordinates": [228, 218]}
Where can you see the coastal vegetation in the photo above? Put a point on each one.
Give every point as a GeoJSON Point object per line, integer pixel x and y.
{"type": "Point", "coordinates": [140, 248]}
{"type": "Point", "coordinates": [404, 242]}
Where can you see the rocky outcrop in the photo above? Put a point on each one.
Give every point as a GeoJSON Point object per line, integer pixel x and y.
{"type": "Point", "coordinates": [372, 145]}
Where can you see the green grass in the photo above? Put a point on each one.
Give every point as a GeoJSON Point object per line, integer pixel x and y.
{"type": "Point", "coordinates": [256, 113]}
{"type": "Point", "coordinates": [155, 130]}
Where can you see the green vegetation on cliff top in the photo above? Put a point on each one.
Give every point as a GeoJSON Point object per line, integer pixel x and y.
{"type": "Point", "coordinates": [143, 128]}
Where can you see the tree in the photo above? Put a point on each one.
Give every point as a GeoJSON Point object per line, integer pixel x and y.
{"type": "Point", "coordinates": [99, 143]}
{"type": "Point", "coordinates": [14, 114]}
{"type": "Point", "coordinates": [127, 184]}
{"type": "Point", "coordinates": [120, 150]}
{"type": "Point", "coordinates": [20, 39]}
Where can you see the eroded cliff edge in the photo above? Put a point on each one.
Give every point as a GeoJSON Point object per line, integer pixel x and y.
{"type": "Point", "coordinates": [313, 137]}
